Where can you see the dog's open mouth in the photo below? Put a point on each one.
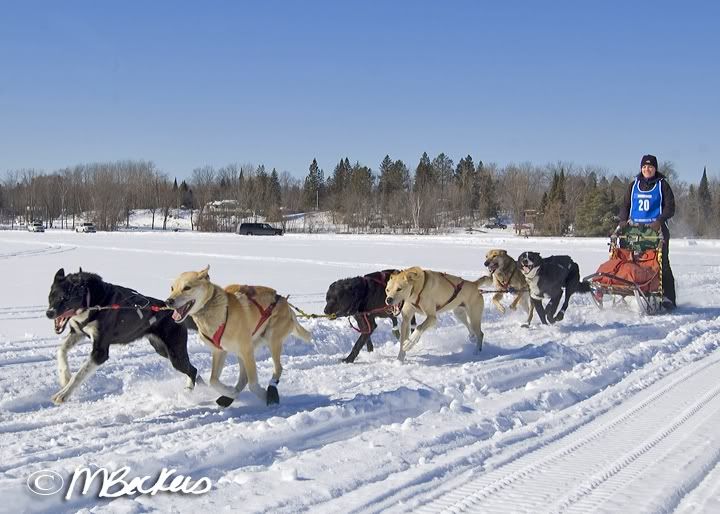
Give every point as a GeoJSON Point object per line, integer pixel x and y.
{"type": "Point", "coordinates": [492, 266]}
{"type": "Point", "coordinates": [62, 320]}
{"type": "Point", "coordinates": [395, 309]}
{"type": "Point", "coordinates": [181, 312]}
{"type": "Point", "coordinates": [526, 268]}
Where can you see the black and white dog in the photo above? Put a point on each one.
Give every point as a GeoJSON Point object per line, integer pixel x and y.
{"type": "Point", "coordinates": [364, 299]}
{"type": "Point", "coordinates": [108, 314]}
{"type": "Point", "coordinates": [547, 278]}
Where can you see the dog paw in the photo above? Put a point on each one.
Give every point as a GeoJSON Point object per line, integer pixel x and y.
{"type": "Point", "coordinates": [272, 395]}
{"type": "Point", "coordinates": [396, 333]}
{"type": "Point", "coordinates": [59, 397]}
{"type": "Point", "coordinates": [224, 401]}
{"type": "Point", "coordinates": [401, 356]}
{"type": "Point", "coordinates": [525, 325]}
{"type": "Point", "coordinates": [559, 316]}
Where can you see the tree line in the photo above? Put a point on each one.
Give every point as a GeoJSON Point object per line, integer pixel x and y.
{"type": "Point", "coordinates": [437, 195]}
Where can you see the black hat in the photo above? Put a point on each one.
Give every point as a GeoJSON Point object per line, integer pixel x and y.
{"type": "Point", "coordinates": [649, 159]}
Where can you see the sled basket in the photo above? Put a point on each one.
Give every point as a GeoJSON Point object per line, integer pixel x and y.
{"type": "Point", "coordinates": [633, 269]}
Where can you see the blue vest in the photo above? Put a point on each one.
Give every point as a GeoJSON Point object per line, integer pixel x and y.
{"type": "Point", "coordinates": [646, 206]}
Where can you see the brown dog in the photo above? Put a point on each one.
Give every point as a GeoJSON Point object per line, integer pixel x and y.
{"type": "Point", "coordinates": [432, 292]}
{"type": "Point", "coordinates": [236, 319]}
{"type": "Point", "coordinates": [508, 278]}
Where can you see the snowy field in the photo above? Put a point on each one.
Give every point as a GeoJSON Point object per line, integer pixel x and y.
{"type": "Point", "coordinates": [605, 412]}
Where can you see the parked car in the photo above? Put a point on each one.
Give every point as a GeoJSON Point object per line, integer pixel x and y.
{"type": "Point", "coordinates": [258, 229]}
{"type": "Point", "coordinates": [36, 226]}
{"type": "Point", "coordinates": [495, 224]}
{"type": "Point", "coordinates": [85, 227]}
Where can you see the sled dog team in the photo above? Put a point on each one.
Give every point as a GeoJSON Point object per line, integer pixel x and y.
{"type": "Point", "coordinates": [240, 318]}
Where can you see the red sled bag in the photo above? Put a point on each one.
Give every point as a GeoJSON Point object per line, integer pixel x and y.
{"type": "Point", "coordinates": [642, 269]}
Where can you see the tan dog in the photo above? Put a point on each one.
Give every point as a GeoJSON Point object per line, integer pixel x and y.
{"type": "Point", "coordinates": [506, 275]}
{"type": "Point", "coordinates": [236, 319]}
{"type": "Point", "coordinates": [432, 292]}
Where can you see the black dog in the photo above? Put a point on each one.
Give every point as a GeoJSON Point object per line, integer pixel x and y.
{"type": "Point", "coordinates": [108, 314]}
{"type": "Point", "coordinates": [547, 278]}
{"type": "Point", "coordinates": [364, 299]}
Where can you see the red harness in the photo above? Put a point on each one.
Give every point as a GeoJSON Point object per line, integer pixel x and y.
{"type": "Point", "coordinates": [217, 336]}
{"type": "Point", "coordinates": [264, 315]}
{"type": "Point", "coordinates": [507, 284]}
{"type": "Point", "coordinates": [379, 278]}
{"type": "Point", "coordinates": [456, 291]}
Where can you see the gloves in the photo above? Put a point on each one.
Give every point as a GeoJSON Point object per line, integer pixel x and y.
{"type": "Point", "coordinates": [656, 225]}
{"type": "Point", "coordinates": [621, 225]}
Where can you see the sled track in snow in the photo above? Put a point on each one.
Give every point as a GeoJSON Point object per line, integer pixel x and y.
{"type": "Point", "coordinates": [28, 312]}
{"type": "Point", "coordinates": [524, 487]}
{"type": "Point", "coordinates": [47, 250]}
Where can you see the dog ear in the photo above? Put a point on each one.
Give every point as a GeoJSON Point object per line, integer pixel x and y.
{"type": "Point", "coordinates": [502, 252]}
{"type": "Point", "coordinates": [413, 273]}
{"type": "Point", "coordinates": [203, 274]}
{"type": "Point", "coordinates": [59, 275]}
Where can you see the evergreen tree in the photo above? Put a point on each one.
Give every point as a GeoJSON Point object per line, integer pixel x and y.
{"type": "Point", "coordinates": [385, 183]}
{"type": "Point", "coordinates": [424, 175]}
{"type": "Point", "coordinates": [275, 190]}
{"type": "Point", "coordinates": [596, 216]}
{"type": "Point", "coordinates": [443, 169]}
{"type": "Point", "coordinates": [467, 184]}
{"type": "Point", "coordinates": [554, 217]}
{"type": "Point", "coordinates": [703, 196]}
{"type": "Point", "coordinates": [312, 186]}
{"type": "Point", "coordinates": [487, 194]}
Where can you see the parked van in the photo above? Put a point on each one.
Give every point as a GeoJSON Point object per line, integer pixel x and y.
{"type": "Point", "coordinates": [258, 229]}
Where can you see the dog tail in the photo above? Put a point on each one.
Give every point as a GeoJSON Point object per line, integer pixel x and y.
{"type": "Point", "coordinates": [484, 281]}
{"type": "Point", "coordinates": [298, 330]}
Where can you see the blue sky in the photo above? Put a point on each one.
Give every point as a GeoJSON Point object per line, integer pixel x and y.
{"type": "Point", "coordinates": [188, 84]}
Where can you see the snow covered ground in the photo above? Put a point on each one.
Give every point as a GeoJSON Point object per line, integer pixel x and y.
{"type": "Point", "coordinates": [605, 412]}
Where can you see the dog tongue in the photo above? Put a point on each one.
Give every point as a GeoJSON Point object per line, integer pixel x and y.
{"type": "Point", "coordinates": [176, 315]}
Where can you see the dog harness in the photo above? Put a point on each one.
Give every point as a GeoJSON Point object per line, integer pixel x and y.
{"type": "Point", "coordinates": [505, 285]}
{"type": "Point", "coordinates": [386, 309]}
{"type": "Point", "coordinates": [456, 291]}
{"type": "Point", "coordinates": [217, 336]}
{"type": "Point", "coordinates": [264, 313]}
{"type": "Point", "coordinates": [374, 277]}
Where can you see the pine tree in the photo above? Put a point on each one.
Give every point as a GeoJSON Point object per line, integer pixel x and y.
{"type": "Point", "coordinates": [487, 195]}
{"type": "Point", "coordinates": [312, 186]}
{"type": "Point", "coordinates": [443, 169]}
{"type": "Point", "coordinates": [467, 184]}
{"type": "Point", "coordinates": [424, 175]}
{"type": "Point", "coordinates": [275, 190]}
{"type": "Point", "coordinates": [704, 196]}
{"type": "Point", "coordinates": [596, 215]}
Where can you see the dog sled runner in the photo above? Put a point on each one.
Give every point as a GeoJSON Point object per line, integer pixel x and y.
{"type": "Point", "coordinates": [634, 269]}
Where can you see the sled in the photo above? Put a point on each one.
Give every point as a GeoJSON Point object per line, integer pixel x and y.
{"type": "Point", "coordinates": [634, 269]}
